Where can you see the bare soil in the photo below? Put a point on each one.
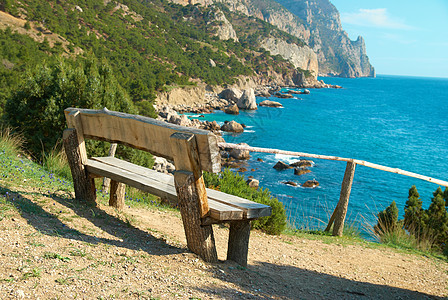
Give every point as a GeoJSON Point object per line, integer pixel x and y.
{"type": "Point", "coordinates": [55, 248]}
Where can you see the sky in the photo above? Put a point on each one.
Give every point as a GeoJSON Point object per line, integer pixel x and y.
{"type": "Point", "coordinates": [402, 37]}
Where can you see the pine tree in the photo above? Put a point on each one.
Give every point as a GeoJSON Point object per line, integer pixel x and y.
{"type": "Point", "coordinates": [387, 219]}
{"type": "Point", "coordinates": [436, 219]}
{"type": "Point", "coordinates": [413, 212]}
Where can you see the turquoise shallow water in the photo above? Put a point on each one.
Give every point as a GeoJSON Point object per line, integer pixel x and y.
{"type": "Point", "coordinates": [396, 121]}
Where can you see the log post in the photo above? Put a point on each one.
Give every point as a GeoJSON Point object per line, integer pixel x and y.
{"type": "Point", "coordinates": [192, 196]}
{"type": "Point", "coordinates": [340, 212]}
{"type": "Point", "coordinates": [117, 191]}
{"type": "Point", "coordinates": [106, 181]}
{"type": "Point", "coordinates": [238, 245]}
{"type": "Point", "coordinates": [76, 156]}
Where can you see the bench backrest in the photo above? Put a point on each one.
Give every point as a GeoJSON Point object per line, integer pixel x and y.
{"type": "Point", "coordinates": [142, 133]}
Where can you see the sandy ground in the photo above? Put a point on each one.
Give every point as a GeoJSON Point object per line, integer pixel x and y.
{"type": "Point", "coordinates": [54, 248]}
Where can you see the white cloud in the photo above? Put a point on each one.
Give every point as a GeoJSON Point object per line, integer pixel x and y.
{"type": "Point", "coordinates": [378, 17]}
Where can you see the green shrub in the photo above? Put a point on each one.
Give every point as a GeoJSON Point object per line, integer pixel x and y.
{"type": "Point", "coordinates": [235, 184]}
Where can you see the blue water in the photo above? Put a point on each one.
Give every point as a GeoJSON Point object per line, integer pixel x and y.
{"type": "Point", "coordinates": [395, 121]}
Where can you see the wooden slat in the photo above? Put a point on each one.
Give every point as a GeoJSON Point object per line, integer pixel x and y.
{"type": "Point", "coordinates": [146, 134]}
{"type": "Point", "coordinates": [251, 209]}
{"type": "Point", "coordinates": [159, 184]}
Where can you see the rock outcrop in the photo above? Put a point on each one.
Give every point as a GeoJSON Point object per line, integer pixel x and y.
{"type": "Point", "coordinates": [247, 100]}
{"type": "Point", "coordinates": [224, 29]}
{"type": "Point", "coordinates": [301, 57]}
{"type": "Point", "coordinates": [280, 166]}
{"type": "Point", "coordinates": [337, 54]}
{"type": "Point", "coordinates": [232, 126]}
{"type": "Point", "coordinates": [270, 103]}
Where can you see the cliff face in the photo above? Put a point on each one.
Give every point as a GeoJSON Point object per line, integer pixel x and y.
{"type": "Point", "coordinates": [301, 57]}
{"type": "Point", "coordinates": [317, 22]}
{"type": "Point", "coordinates": [337, 54]}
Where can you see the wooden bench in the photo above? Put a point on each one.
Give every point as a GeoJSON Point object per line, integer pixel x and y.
{"type": "Point", "coordinates": [192, 150]}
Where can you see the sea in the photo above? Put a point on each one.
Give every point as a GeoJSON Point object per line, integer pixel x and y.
{"type": "Point", "coordinates": [396, 121]}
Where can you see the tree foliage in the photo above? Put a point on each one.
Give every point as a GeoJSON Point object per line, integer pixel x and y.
{"type": "Point", "coordinates": [37, 107]}
{"type": "Point", "coordinates": [430, 224]}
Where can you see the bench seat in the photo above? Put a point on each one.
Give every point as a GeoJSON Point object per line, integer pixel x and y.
{"type": "Point", "coordinates": [223, 207]}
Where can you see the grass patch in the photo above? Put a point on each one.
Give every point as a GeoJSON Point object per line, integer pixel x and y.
{"type": "Point", "coordinates": [52, 255]}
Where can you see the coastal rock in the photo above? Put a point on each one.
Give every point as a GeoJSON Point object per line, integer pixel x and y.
{"type": "Point", "coordinates": [253, 183]}
{"type": "Point", "coordinates": [310, 184]}
{"type": "Point", "coordinates": [302, 163]}
{"type": "Point", "coordinates": [306, 92]}
{"type": "Point", "coordinates": [301, 171]}
{"type": "Point", "coordinates": [163, 166]}
{"type": "Point", "coordinates": [281, 95]}
{"type": "Point", "coordinates": [291, 183]}
{"type": "Point", "coordinates": [180, 120]}
{"type": "Point", "coordinates": [232, 109]}
{"type": "Point", "coordinates": [270, 103]}
{"type": "Point", "coordinates": [239, 153]}
{"type": "Point", "coordinates": [260, 160]}
{"type": "Point", "coordinates": [279, 166]}
{"type": "Point", "coordinates": [231, 164]}
{"type": "Point", "coordinates": [247, 100]}
{"type": "Point", "coordinates": [232, 126]}
{"type": "Point", "coordinates": [242, 170]}
{"type": "Point", "coordinates": [231, 94]}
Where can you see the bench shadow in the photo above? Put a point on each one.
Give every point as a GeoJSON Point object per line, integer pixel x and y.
{"type": "Point", "coordinates": [263, 280]}
{"type": "Point", "coordinates": [128, 236]}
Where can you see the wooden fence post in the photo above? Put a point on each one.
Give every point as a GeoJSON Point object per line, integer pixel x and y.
{"type": "Point", "coordinates": [192, 196]}
{"type": "Point", "coordinates": [340, 212]}
{"type": "Point", "coordinates": [106, 181]}
{"type": "Point", "coordinates": [76, 156]}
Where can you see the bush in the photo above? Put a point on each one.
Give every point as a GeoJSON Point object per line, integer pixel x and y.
{"type": "Point", "coordinates": [234, 184]}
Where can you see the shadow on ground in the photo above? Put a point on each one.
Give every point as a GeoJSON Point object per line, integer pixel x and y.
{"type": "Point", "coordinates": [264, 280]}
{"type": "Point", "coordinates": [128, 236]}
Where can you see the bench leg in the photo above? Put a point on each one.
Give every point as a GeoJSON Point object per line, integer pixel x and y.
{"type": "Point", "coordinates": [117, 190]}
{"type": "Point", "coordinates": [200, 239]}
{"type": "Point", "coordinates": [239, 242]}
{"type": "Point", "coordinates": [83, 184]}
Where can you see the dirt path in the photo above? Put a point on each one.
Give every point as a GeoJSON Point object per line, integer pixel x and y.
{"type": "Point", "coordinates": [59, 250]}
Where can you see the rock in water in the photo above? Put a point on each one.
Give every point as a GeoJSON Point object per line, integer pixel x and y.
{"type": "Point", "coordinates": [281, 95]}
{"type": "Point", "coordinates": [232, 126]}
{"type": "Point", "coordinates": [302, 163]}
{"type": "Point", "coordinates": [239, 153]}
{"type": "Point", "coordinates": [281, 166]}
{"type": "Point", "coordinates": [232, 94]}
{"type": "Point", "coordinates": [310, 184]}
{"type": "Point", "coordinates": [253, 183]}
{"type": "Point", "coordinates": [247, 100]}
{"type": "Point", "coordinates": [301, 171]}
{"type": "Point", "coordinates": [291, 183]}
{"type": "Point", "coordinates": [232, 109]}
{"type": "Point", "coordinates": [270, 103]}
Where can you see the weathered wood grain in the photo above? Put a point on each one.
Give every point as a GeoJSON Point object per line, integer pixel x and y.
{"type": "Point", "coordinates": [144, 133]}
{"type": "Point", "coordinates": [341, 208]}
{"type": "Point", "coordinates": [238, 246]}
{"type": "Point", "coordinates": [84, 185]}
{"type": "Point", "coordinates": [192, 196]}
{"type": "Point", "coordinates": [117, 191]}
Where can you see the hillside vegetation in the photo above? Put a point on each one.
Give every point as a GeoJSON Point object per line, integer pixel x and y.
{"type": "Point", "coordinates": [149, 44]}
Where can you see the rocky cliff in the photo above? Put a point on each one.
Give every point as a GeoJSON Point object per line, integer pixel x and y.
{"type": "Point", "coordinates": [317, 22]}
{"type": "Point", "coordinates": [337, 54]}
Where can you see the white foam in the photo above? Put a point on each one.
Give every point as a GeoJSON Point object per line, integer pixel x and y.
{"type": "Point", "coordinates": [287, 158]}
